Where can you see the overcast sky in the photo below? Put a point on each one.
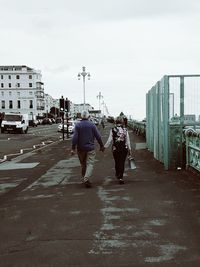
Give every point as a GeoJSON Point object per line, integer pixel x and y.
{"type": "Point", "coordinates": [126, 45]}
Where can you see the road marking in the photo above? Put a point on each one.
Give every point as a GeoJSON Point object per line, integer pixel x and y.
{"type": "Point", "coordinates": [15, 166]}
{"type": "Point", "coordinates": [7, 186]}
{"type": "Point", "coordinates": [33, 149]}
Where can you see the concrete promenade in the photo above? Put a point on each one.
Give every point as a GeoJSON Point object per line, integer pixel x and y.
{"type": "Point", "coordinates": [51, 219]}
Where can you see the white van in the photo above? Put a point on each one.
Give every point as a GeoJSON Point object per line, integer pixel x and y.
{"type": "Point", "coordinates": [15, 122]}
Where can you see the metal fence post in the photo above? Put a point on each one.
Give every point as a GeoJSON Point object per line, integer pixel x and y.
{"type": "Point", "coordinates": [181, 117]}
{"type": "Point", "coordinates": [166, 122]}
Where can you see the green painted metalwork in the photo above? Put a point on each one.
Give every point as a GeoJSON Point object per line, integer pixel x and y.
{"type": "Point", "coordinates": [166, 122]}
{"type": "Point", "coordinates": [139, 127]}
{"type": "Point", "coordinates": [192, 148]}
{"type": "Point", "coordinates": [167, 107]}
{"type": "Point", "coordinates": [181, 117]}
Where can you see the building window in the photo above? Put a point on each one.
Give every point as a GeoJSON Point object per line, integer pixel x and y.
{"type": "Point", "coordinates": [2, 85]}
{"type": "Point", "coordinates": [18, 104]}
{"type": "Point", "coordinates": [10, 93]}
{"type": "Point", "coordinates": [9, 77]}
{"type": "Point", "coordinates": [9, 85]}
{"type": "Point", "coordinates": [10, 104]}
{"type": "Point", "coordinates": [1, 76]}
{"type": "Point", "coordinates": [2, 93]}
{"type": "Point", "coordinates": [18, 84]}
{"type": "Point", "coordinates": [18, 93]}
{"type": "Point", "coordinates": [30, 93]}
{"type": "Point", "coordinates": [17, 77]}
{"type": "Point", "coordinates": [30, 76]}
{"type": "Point", "coordinates": [30, 85]}
{"type": "Point", "coordinates": [31, 104]}
{"type": "Point", "coordinates": [3, 104]}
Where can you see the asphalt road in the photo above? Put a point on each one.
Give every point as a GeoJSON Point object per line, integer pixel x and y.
{"type": "Point", "coordinates": [11, 143]}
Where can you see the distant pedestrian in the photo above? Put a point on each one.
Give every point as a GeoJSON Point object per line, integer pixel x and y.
{"type": "Point", "coordinates": [1, 117]}
{"type": "Point", "coordinates": [83, 139]}
{"type": "Point", "coordinates": [102, 123]}
{"type": "Point", "coordinates": [125, 122]}
{"type": "Point", "coordinates": [119, 137]}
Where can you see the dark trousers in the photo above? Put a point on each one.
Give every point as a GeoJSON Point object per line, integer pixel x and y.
{"type": "Point", "coordinates": [119, 157]}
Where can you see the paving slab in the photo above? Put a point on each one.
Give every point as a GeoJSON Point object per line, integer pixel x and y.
{"type": "Point", "coordinates": [50, 219]}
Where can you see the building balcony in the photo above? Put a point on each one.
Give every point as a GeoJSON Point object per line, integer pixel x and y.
{"type": "Point", "coordinates": [40, 88]}
{"type": "Point", "coordinates": [39, 96]}
{"type": "Point", "coordinates": [40, 108]}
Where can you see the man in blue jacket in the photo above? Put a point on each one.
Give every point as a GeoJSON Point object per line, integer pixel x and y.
{"type": "Point", "coordinates": [83, 139]}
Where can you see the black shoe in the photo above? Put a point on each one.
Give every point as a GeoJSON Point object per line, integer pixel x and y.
{"type": "Point", "coordinates": [121, 181]}
{"type": "Point", "coordinates": [87, 184]}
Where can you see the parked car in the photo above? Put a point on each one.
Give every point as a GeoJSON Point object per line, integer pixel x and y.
{"type": "Point", "coordinates": [71, 126]}
{"type": "Point", "coordinates": [58, 120]}
{"type": "Point", "coordinates": [15, 122]}
{"type": "Point", "coordinates": [46, 121]}
{"type": "Point", "coordinates": [39, 121]}
{"type": "Point", "coordinates": [33, 123]}
{"type": "Point", "coordinates": [95, 121]}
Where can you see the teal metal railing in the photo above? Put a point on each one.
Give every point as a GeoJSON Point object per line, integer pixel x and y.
{"type": "Point", "coordinates": [172, 104]}
{"type": "Point", "coordinates": [192, 141]}
{"type": "Point", "coordinates": [138, 127]}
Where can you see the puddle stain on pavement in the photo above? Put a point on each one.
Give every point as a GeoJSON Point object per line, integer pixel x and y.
{"type": "Point", "coordinates": [116, 233]}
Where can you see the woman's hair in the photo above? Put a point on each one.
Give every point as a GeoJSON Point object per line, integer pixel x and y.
{"type": "Point", "coordinates": [119, 120]}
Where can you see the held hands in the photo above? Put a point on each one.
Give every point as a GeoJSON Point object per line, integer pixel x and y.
{"type": "Point", "coordinates": [102, 148]}
{"type": "Point", "coordinates": [129, 153]}
{"type": "Point", "coordinates": [73, 151]}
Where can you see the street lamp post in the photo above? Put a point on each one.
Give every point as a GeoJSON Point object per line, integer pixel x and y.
{"type": "Point", "coordinates": [99, 96]}
{"type": "Point", "coordinates": [103, 104]}
{"type": "Point", "coordinates": [83, 74]}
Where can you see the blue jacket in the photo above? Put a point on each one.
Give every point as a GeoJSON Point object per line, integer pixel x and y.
{"type": "Point", "coordinates": [84, 136]}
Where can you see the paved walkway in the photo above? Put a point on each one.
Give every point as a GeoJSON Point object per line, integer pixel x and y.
{"type": "Point", "coordinates": [50, 219]}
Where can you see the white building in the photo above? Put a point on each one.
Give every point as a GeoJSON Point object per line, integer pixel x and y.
{"type": "Point", "coordinates": [49, 102]}
{"type": "Point", "coordinates": [21, 90]}
{"type": "Point", "coordinates": [56, 103]}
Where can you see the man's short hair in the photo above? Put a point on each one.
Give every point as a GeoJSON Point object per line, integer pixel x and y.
{"type": "Point", "coordinates": [85, 114]}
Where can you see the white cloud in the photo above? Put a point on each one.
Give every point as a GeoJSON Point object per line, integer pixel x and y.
{"type": "Point", "coordinates": [126, 45]}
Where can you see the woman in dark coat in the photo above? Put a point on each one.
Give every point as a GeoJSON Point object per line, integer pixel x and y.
{"type": "Point", "coordinates": [119, 137]}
